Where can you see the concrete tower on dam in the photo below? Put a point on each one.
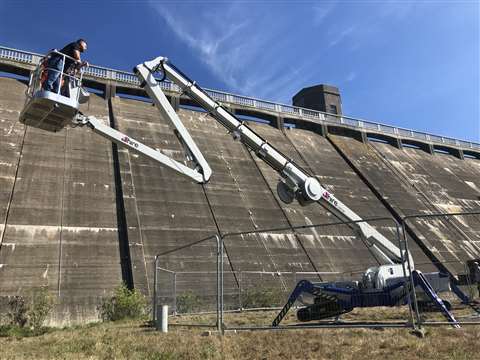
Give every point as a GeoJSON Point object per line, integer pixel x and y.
{"type": "Point", "coordinates": [325, 98]}
{"type": "Point", "coordinates": [80, 216]}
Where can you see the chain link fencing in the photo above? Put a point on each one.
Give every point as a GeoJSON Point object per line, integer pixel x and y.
{"type": "Point", "coordinates": [258, 270]}
{"type": "Point", "coordinates": [221, 282]}
{"type": "Point", "coordinates": [457, 257]}
{"type": "Point", "coordinates": [314, 253]}
{"type": "Point", "coordinates": [188, 280]}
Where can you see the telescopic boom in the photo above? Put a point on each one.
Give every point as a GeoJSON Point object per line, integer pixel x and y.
{"type": "Point", "coordinates": [295, 183]}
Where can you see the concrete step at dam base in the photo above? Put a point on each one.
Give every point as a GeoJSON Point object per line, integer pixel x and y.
{"type": "Point", "coordinates": [80, 216]}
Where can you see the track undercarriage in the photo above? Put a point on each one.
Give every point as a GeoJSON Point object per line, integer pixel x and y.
{"type": "Point", "coordinates": [332, 299]}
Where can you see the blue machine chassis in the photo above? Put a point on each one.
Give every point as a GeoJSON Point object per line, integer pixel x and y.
{"type": "Point", "coordinates": [333, 300]}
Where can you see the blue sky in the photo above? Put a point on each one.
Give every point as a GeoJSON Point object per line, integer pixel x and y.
{"type": "Point", "coordinates": [412, 64]}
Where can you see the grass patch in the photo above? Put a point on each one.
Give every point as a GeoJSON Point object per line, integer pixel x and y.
{"type": "Point", "coordinates": [123, 304]}
{"type": "Point", "coordinates": [188, 302]}
{"type": "Point", "coordinates": [262, 298]}
{"type": "Point", "coordinates": [19, 332]}
{"type": "Point", "coordinates": [26, 314]}
{"type": "Point", "coordinates": [131, 339]}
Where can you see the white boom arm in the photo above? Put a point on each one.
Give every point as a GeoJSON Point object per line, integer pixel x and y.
{"type": "Point", "coordinates": [125, 141]}
{"type": "Point", "coordinates": [296, 182]}
{"type": "Point", "coordinates": [202, 171]}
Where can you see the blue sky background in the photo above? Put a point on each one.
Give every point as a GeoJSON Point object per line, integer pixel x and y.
{"type": "Point", "coordinates": [413, 64]}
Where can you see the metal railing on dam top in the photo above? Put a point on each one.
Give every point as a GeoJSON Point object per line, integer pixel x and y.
{"type": "Point", "coordinates": [128, 78]}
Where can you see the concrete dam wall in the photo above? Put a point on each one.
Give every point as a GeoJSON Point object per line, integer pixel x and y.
{"type": "Point", "coordinates": [79, 215]}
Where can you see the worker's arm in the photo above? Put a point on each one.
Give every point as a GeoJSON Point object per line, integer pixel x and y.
{"type": "Point", "coordinates": [79, 62]}
{"type": "Point", "coordinates": [76, 55]}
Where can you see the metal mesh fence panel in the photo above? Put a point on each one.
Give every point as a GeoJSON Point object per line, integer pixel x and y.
{"type": "Point", "coordinates": [455, 300]}
{"type": "Point", "coordinates": [187, 280]}
{"type": "Point", "coordinates": [276, 263]}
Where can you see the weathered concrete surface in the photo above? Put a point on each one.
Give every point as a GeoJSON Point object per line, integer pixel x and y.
{"type": "Point", "coordinates": [339, 178]}
{"type": "Point", "coordinates": [60, 222]}
{"type": "Point", "coordinates": [89, 249]}
{"type": "Point", "coordinates": [331, 248]}
{"type": "Point", "coordinates": [446, 184]}
{"type": "Point", "coordinates": [164, 210]}
{"type": "Point", "coordinates": [30, 245]}
{"type": "Point", "coordinates": [11, 137]}
{"type": "Point", "coordinates": [414, 182]}
{"type": "Point", "coordinates": [241, 201]}
{"type": "Point", "coordinates": [61, 229]}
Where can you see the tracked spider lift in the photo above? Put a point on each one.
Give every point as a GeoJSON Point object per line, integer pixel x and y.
{"type": "Point", "coordinates": [384, 285]}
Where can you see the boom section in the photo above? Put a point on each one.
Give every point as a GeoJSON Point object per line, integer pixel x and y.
{"type": "Point", "coordinates": [155, 92]}
{"type": "Point", "coordinates": [127, 142]}
{"type": "Point", "coordinates": [296, 182]}
{"type": "Point", "coordinates": [300, 181]}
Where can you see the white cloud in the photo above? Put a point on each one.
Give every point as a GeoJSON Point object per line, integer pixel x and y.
{"type": "Point", "coordinates": [253, 49]}
{"type": "Point", "coordinates": [215, 45]}
{"type": "Point", "coordinates": [342, 35]}
{"type": "Point", "coordinates": [224, 43]}
{"type": "Point", "coordinates": [395, 9]}
{"type": "Point", "coordinates": [321, 11]}
{"type": "Point", "coordinates": [351, 76]}
{"type": "Point", "coordinates": [241, 47]}
{"type": "Point", "coordinates": [353, 32]}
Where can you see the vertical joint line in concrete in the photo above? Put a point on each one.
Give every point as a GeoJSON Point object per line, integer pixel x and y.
{"type": "Point", "coordinates": [396, 215]}
{"type": "Point", "coordinates": [269, 254]}
{"type": "Point", "coordinates": [220, 234]}
{"type": "Point", "coordinates": [60, 249]}
{"type": "Point", "coordinates": [125, 258]}
{"type": "Point", "coordinates": [311, 172]}
{"type": "Point", "coordinates": [10, 197]}
{"type": "Point", "coordinates": [295, 233]}
{"type": "Point", "coordinates": [140, 234]}
{"type": "Point", "coordinates": [429, 203]}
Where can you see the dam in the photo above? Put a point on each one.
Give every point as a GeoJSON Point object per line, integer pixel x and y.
{"type": "Point", "coordinates": [80, 215]}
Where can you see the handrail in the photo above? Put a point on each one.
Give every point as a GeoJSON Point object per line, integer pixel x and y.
{"type": "Point", "coordinates": [58, 52]}
{"type": "Point", "coordinates": [263, 105]}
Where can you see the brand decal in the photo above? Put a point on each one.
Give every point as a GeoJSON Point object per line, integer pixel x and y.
{"type": "Point", "coordinates": [329, 197]}
{"type": "Point", "coordinates": [129, 141]}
